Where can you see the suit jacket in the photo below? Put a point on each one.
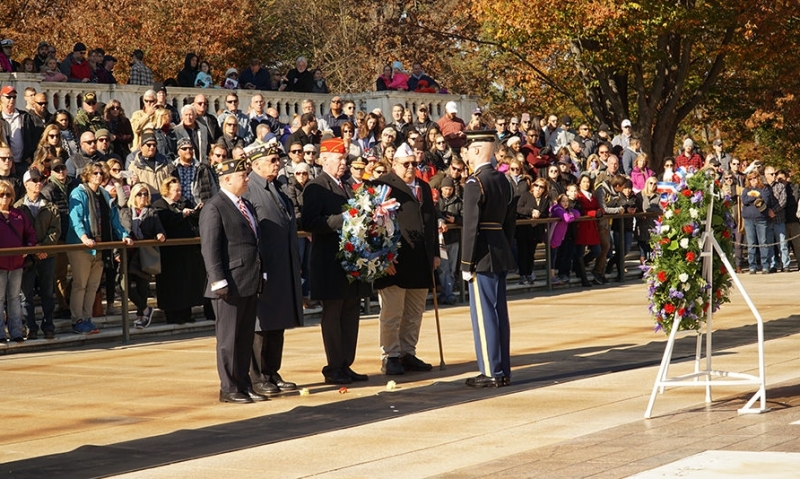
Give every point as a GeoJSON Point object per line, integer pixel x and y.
{"type": "Point", "coordinates": [419, 242]}
{"type": "Point", "coordinates": [201, 140]}
{"type": "Point", "coordinates": [323, 203]}
{"type": "Point", "coordinates": [488, 222]}
{"type": "Point", "coordinates": [280, 304]}
{"type": "Point", "coordinates": [229, 247]}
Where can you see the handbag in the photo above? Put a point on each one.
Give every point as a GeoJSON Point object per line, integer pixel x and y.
{"type": "Point", "coordinates": [150, 259]}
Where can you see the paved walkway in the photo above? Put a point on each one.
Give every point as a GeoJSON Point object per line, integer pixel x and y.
{"type": "Point", "coordinates": [584, 364]}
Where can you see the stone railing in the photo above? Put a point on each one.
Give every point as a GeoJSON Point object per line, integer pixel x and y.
{"type": "Point", "coordinates": [69, 96]}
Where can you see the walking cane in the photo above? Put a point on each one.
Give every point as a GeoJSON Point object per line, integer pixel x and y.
{"type": "Point", "coordinates": [438, 328]}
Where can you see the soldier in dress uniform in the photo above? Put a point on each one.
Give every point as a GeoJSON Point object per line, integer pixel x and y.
{"type": "Point", "coordinates": [488, 215]}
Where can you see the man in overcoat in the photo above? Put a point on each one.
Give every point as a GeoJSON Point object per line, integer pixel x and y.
{"type": "Point", "coordinates": [403, 293]}
{"type": "Point", "coordinates": [280, 304]}
{"type": "Point", "coordinates": [324, 199]}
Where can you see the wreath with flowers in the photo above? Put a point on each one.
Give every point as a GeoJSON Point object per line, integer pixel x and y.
{"type": "Point", "coordinates": [370, 237]}
{"type": "Point", "coordinates": [677, 287]}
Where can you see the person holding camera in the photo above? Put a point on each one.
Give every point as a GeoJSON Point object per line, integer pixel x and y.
{"type": "Point", "coordinates": [756, 199]}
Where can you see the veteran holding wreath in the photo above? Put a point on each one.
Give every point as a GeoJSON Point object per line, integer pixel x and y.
{"type": "Point", "coordinates": [324, 199]}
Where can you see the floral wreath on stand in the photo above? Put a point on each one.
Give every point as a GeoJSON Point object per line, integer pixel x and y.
{"type": "Point", "coordinates": [370, 237]}
{"type": "Point", "coordinates": [677, 286]}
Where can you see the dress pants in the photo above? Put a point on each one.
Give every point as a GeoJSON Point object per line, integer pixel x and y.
{"type": "Point", "coordinates": [267, 354]}
{"type": "Point", "coordinates": [339, 325]}
{"type": "Point", "coordinates": [400, 320]}
{"type": "Point", "coordinates": [235, 328]}
{"type": "Point", "coordinates": [42, 274]}
{"type": "Point", "coordinates": [490, 326]}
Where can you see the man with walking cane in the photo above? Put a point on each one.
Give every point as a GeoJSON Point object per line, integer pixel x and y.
{"type": "Point", "coordinates": [403, 293]}
{"type": "Point", "coordinates": [488, 216]}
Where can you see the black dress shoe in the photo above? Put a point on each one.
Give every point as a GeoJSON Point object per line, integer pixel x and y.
{"type": "Point", "coordinates": [266, 388]}
{"type": "Point", "coordinates": [282, 385]}
{"type": "Point", "coordinates": [392, 367]}
{"type": "Point", "coordinates": [413, 363]}
{"type": "Point", "coordinates": [481, 381]}
{"type": "Point", "coordinates": [337, 377]}
{"type": "Point", "coordinates": [234, 397]}
{"type": "Point", "coordinates": [255, 397]}
{"type": "Point", "coordinates": [354, 375]}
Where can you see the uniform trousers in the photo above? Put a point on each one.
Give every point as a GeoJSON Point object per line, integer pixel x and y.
{"type": "Point", "coordinates": [400, 320]}
{"type": "Point", "coordinates": [339, 325]}
{"type": "Point", "coordinates": [235, 329]}
{"type": "Point", "coordinates": [490, 326]}
{"type": "Point", "coordinates": [267, 354]}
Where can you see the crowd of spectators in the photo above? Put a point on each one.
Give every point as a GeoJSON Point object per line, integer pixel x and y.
{"type": "Point", "coordinates": [104, 175]}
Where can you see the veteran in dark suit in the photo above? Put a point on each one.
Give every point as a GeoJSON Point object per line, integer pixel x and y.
{"type": "Point", "coordinates": [404, 291]}
{"type": "Point", "coordinates": [229, 243]}
{"type": "Point", "coordinates": [323, 202]}
{"type": "Point", "coordinates": [486, 258]}
{"type": "Point", "coordinates": [280, 304]}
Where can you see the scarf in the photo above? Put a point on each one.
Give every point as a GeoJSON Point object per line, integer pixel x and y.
{"type": "Point", "coordinates": [94, 226]}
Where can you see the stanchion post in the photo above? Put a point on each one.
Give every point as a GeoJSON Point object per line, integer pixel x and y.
{"type": "Point", "coordinates": [548, 260]}
{"type": "Point", "coordinates": [126, 330]}
{"type": "Point", "coordinates": [621, 251]}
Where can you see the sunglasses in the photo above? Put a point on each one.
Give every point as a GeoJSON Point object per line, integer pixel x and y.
{"type": "Point", "coordinates": [5, 194]}
{"type": "Point", "coordinates": [734, 164]}
{"type": "Point", "coordinates": [59, 169]}
{"type": "Point", "coordinates": [96, 173]}
{"type": "Point", "coordinates": [408, 164]}
{"type": "Point", "coordinates": [336, 101]}
{"type": "Point", "coordinates": [357, 168]}
{"type": "Point", "coordinates": [201, 103]}
{"type": "Point", "coordinates": [457, 170]}
{"type": "Point", "coordinates": [142, 194]}
{"type": "Point", "coordinates": [440, 143]}
{"type": "Point", "coordinates": [300, 173]}
{"type": "Point", "coordinates": [53, 135]}
{"type": "Point", "coordinates": [113, 108]}
{"type": "Point", "coordinates": [602, 152]}
{"type": "Point", "coordinates": [104, 140]}
{"type": "Point", "coordinates": [231, 101]}
{"type": "Point", "coordinates": [11, 97]}
{"type": "Point", "coordinates": [347, 131]}
{"type": "Point", "coordinates": [116, 170]}
{"type": "Point", "coordinates": [513, 169]}
{"type": "Point", "coordinates": [186, 148]}
{"type": "Point", "coordinates": [150, 145]}
{"type": "Point", "coordinates": [231, 124]}
{"type": "Point", "coordinates": [310, 152]}
{"type": "Point", "coordinates": [538, 186]}
{"type": "Point", "coordinates": [149, 101]}
{"type": "Point", "coordinates": [44, 103]}
{"type": "Point", "coordinates": [37, 180]}
{"type": "Point", "coordinates": [296, 152]}
{"type": "Point", "coordinates": [379, 172]}
{"type": "Point", "coordinates": [90, 142]}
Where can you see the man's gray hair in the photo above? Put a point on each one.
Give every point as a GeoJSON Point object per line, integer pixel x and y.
{"type": "Point", "coordinates": [186, 108]}
{"type": "Point", "coordinates": [149, 93]}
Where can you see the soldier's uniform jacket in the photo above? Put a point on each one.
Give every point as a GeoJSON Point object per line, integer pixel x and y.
{"type": "Point", "coordinates": [488, 216]}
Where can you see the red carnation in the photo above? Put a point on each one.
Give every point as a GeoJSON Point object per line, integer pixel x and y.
{"type": "Point", "coordinates": [355, 274]}
{"type": "Point", "coordinates": [723, 269]}
{"type": "Point", "coordinates": [349, 247]}
{"type": "Point", "coordinates": [371, 190]}
{"type": "Point", "coordinates": [356, 186]}
{"type": "Point", "coordinates": [353, 212]}
{"type": "Point", "coordinates": [687, 193]}
{"type": "Point", "coordinates": [687, 229]}
{"type": "Point", "coordinates": [690, 256]}
{"type": "Point", "coordinates": [665, 241]}
{"type": "Point", "coordinates": [389, 256]}
{"type": "Point", "coordinates": [681, 311]}
{"type": "Point", "coordinates": [677, 211]}
{"type": "Point", "coordinates": [726, 234]}
{"type": "Point", "coordinates": [662, 276]}
{"type": "Point", "coordinates": [669, 308]}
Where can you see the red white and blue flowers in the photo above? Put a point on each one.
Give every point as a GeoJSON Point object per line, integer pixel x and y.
{"type": "Point", "coordinates": [676, 285]}
{"type": "Point", "coordinates": [370, 237]}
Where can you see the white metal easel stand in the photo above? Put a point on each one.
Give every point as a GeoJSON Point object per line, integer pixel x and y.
{"type": "Point", "coordinates": [704, 377]}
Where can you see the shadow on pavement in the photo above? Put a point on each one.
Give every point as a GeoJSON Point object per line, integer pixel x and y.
{"type": "Point", "coordinates": [530, 371]}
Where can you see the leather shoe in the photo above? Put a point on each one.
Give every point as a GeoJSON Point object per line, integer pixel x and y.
{"type": "Point", "coordinates": [354, 375]}
{"type": "Point", "coordinates": [234, 397]}
{"type": "Point", "coordinates": [266, 388]}
{"type": "Point", "coordinates": [255, 397]}
{"type": "Point", "coordinates": [282, 385]}
{"type": "Point", "coordinates": [392, 367]}
{"type": "Point", "coordinates": [482, 381]}
{"type": "Point", "coordinates": [337, 377]}
{"type": "Point", "coordinates": [413, 363]}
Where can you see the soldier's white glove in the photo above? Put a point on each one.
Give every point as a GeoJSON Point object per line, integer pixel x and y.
{"type": "Point", "coordinates": [467, 276]}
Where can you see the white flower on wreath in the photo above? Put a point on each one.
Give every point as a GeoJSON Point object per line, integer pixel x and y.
{"type": "Point", "coordinates": [668, 214]}
{"type": "Point", "coordinates": [664, 228]}
{"type": "Point", "coordinates": [694, 213]}
{"type": "Point", "coordinates": [684, 277]}
{"type": "Point", "coordinates": [360, 262]}
{"type": "Point", "coordinates": [684, 243]}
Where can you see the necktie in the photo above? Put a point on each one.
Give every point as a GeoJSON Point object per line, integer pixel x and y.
{"type": "Point", "coordinates": [246, 215]}
{"type": "Point", "coordinates": [417, 193]}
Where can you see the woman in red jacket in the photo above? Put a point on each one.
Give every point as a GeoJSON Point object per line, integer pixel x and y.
{"type": "Point", "coordinates": [15, 231]}
{"type": "Point", "coordinates": [588, 234]}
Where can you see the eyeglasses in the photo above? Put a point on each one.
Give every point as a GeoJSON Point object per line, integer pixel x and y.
{"type": "Point", "coordinates": [96, 173]}
{"type": "Point", "coordinates": [457, 170]}
{"type": "Point", "coordinates": [408, 164]}
{"type": "Point", "coordinates": [116, 170]}
{"type": "Point", "coordinates": [513, 123]}
{"type": "Point", "coordinates": [142, 194]}
{"type": "Point", "coordinates": [59, 169]}
{"type": "Point", "coordinates": [734, 163]}
{"type": "Point", "coordinates": [5, 194]}
{"type": "Point", "coordinates": [53, 135]}
{"type": "Point", "coordinates": [626, 126]}
{"type": "Point", "coordinates": [186, 148]}
{"type": "Point", "coordinates": [148, 101]}
{"type": "Point", "coordinates": [300, 173]}
{"type": "Point", "coordinates": [728, 178]}
{"type": "Point", "coordinates": [149, 145]}
{"type": "Point", "coordinates": [538, 186]}
{"type": "Point", "coordinates": [347, 131]}
{"type": "Point", "coordinates": [37, 180]}
{"type": "Point", "coordinates": [309, 152]}
{"type": "Point", "coordinates": [583, 128]}
{"type": "Point", "coordinates": [379, 172]}
{"type": "Point", "coordinates": [296, 152]}
{"type": "Point", "coordinates": [218, 155]}
{"type": "Point", "coordinates": [667, 165]}
{"type": "Point", "coordinates": [336, 101]}
{"type": "Point", "coordinates": [602, 152]}
{"type": "Point", "coordinates": [231, 101]}
{"type": "Point", "coordinates": [90, 142]}
{"type": "Point", "coordinates": [231, 124]}
{"type": "Point", "coordinates": [275, 159]}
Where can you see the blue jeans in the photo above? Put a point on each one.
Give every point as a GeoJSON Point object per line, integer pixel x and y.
{"type": "Point", "coordinates": [447, 270]}
{"type": "Point", "coordinates": [10, 299]}
{"type": "Point", "coordinates": [779, 236]}
{"type": "Point", "coordinates": [42, 275]}
{"type": "Point", "coordinates": [756, 230]}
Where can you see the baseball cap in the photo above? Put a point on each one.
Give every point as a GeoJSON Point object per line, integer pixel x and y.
{"type": "Point", "coordinates": [8, 90]}
{"type": "Point", "coordinates": [451, 107]}
{"type": "Point", "coordinates": [626, 123]}
{"type": "Point", "coordinates": [7, 43]}
{"type": "Point", "coordinates": [32, 174]}
{"type": "Point", "coordinates": [717, 142]}
{"type": "Point", "coordinates": [102, 133]}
